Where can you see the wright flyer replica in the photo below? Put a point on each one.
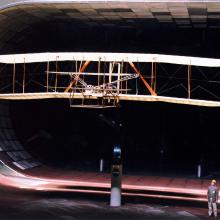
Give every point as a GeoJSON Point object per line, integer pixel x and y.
{"type": "Point", "coordinates": [102, 80]}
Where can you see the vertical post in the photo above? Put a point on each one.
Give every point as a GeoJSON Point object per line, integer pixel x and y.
{"type": "Point", "coordinates": [126, 82]}
{"type": "Point", "coordinates": [189, 80]}
{"type": "Point", "coordinates": [152, 74]}
{"type": "Point", "coordinates": [99, 73]}
{"type": "Point", "coordinates": [199, 170]}
{"type": "Point", "coordinates": [110, 76]}
{"type": "Point", "coordinates": [76, 72]}
{"type": "Point", "coordinates": [76, 66]}
{"type": "Point", "coordinates": [155, 79]}
{"type": "Point", "coordinates": [115, 200]}
{"type": "Point", "coordinates": [122, 67]}
{"type": "Point", "coordinates": [13, 78]}
{"type": "Point", "coordinates": [118, 84]}
{"type": "Point", "coordinates": [101, 167]}
{"type": "Point", "coordinates": [116, 177]}
{"type": "Point", "coordinates": [136, 85]}
{"type": "Point", "coordinates": [48, 68]}
{"type": "Point", "coordinates": [110, 72]}
{"type": "Point", "coordinates": [56, 77]}
{"type": "Point", "coordinates": [104, 78]}
{"type": "Point", "coordinates": [23, 84]}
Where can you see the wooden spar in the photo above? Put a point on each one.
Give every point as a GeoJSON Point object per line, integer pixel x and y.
{"type": "Point", "coordinates": [56, 75]}
{"type": "Point", "coordinates": [104, 76]}
{"type": "Point", "coordinates": [152, 75]}
{"type": "Point", "coordinates": [144, 98]}
{"type": "Point", "coordinates": [76, 66]}
{"type": "Point", "coordinates": [48, 69]}
{"type": "Point", "coordinates": [155, 76]}
{"type": "Point", "coordinates": [118, 84]}
{"type": "Point", "coordinates": [189, 80]}
{"type": "Point", "coordinates": [23, 83]}
{"type": "Point", "coordinates": [126, 82]}
{"type": "Point", "coordinates": [122, 67]}
{"type": "Point", "coordinates": [13, 78]}
{"type": "Point", "coordinates": [143, 80]}
{"type": "Point", "coordinates": [111, 67]}
{"type": "Point", "coordinates": [99, 63]}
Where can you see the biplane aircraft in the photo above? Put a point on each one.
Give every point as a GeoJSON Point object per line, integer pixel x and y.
{"type": "Point", "coordinates": [101, 80]}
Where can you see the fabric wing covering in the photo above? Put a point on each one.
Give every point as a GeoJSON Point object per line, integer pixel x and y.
{"type": "Point", "coordinates": [109, 57]}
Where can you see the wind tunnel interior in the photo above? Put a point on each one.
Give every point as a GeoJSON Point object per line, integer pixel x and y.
{"type": "Point", "coordinates": [56, 36]}
{"type": "Point", "coordinates": [171, 28]}
{"type": "Point", "coordinates": [154, 136]}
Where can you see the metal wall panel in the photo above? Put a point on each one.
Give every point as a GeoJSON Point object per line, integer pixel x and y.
{"type": "Point", "coordinates": [19, 165]}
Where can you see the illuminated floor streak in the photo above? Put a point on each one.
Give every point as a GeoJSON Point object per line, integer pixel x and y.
{"type": "Point", "coordinates": [99, 183]}
{"type": "Point", "coordinates": [122, 97]}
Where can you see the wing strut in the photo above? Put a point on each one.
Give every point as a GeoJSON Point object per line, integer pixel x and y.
{"type": "Point", "coordinates": [75, 79]}
{"type": "Point", "coordinates": [143, 80]}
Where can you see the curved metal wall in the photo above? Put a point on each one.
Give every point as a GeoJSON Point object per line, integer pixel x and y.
{"type": "Point", "coordinates": [11, 150]}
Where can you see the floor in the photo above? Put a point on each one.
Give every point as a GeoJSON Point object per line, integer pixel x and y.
{"type": "Point", "coordinates": [46, 194]}
{"type": "Point", "coordinates": [20, 205]}
{"type": "Point", "coordinates": [133, 185]}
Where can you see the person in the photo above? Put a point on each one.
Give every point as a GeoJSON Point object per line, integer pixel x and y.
{"type": "Point", "coordinates": [212, 195]}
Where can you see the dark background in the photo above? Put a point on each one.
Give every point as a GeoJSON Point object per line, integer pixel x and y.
{"type": "Point", "coordinates": [154, 136]}
{"type": "Point", "coordinates": [149, 38]}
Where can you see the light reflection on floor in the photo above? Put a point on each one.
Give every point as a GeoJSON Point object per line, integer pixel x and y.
{"type": "Point", "coordinates": [99, 183]}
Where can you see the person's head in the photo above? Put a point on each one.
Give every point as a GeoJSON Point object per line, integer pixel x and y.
{"type": "Point", "coordinates": [213, 182]}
